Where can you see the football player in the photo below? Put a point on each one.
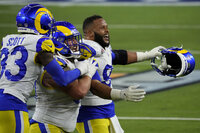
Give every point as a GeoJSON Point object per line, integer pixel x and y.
{"type": "Point", "coordinates": [57, 106]}
{"type": "Point", "coordinates": [97, 115]}
{"type": "Point", "coordinates": [57, 111]}
{"type": "Point", "coordinates": [22, 58]}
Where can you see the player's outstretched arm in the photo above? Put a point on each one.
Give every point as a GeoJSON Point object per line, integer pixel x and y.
{"type": "Point", "coordinates": [123, 57]}
{"type": "Point", "coordinates": [100, 89]}
{"type": "Point", "coordinates": [132, 93]}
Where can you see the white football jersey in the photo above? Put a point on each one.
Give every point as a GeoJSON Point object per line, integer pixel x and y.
{"type": "Point", "coordinates": [104, 70]}
{"type": "Point", "coordinates": [55, 107]}
{"type": "Point", "coordinates": [18, 68]}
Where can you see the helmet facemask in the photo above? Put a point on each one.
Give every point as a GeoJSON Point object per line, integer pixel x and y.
{"type": "Point", "coordinates": [73, 43]}
{"type": "Point", "coordinates": [68, 46]}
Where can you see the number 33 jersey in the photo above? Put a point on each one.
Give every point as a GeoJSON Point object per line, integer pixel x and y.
{"type": "Point", "coordinates": [18, 67]}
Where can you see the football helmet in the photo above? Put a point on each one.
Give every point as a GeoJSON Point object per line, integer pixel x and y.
{"type": "Point", "coordinates": [35, 18]}
{"type": "Point", "coordinates": [67, 39]}
{"type": "Point", "coordinates": [174, 62]}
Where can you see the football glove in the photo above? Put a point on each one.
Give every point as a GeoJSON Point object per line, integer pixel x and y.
{"type": "Point", "coordinates": [93, 66]}
{"type": "Point", "coordinates": [142, 56]}
{"type": "Point", "coordinates": [132, 93]}
{"type": "Point", "coordinates": [163, 66]}
{"type": "Point", "coordinates": [83, 66]}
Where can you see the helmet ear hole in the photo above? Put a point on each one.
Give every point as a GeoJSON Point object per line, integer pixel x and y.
{"type": "Point", "coordinates": [175, 62]}
{"type": "Point", "coordinates": [46, 21]}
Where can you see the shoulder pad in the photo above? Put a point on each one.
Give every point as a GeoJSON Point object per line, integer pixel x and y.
{"type": "Point", "coordinates": [98, 48]}
{"type": "Point", "coordinates": [45, 44]}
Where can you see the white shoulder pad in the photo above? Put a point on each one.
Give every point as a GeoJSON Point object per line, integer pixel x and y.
{"type": "Point", "coordinates": [97, 47]}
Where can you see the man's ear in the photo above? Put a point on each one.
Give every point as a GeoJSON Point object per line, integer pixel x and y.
{"type": "Point", "coordinates": [89, 35]}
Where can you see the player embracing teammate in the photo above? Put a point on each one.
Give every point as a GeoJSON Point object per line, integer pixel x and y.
{"type": "Point", "coordinates": [71, 76]}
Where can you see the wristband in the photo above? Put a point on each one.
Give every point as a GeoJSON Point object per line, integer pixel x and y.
{"type": "Point", "coordinates": [115, 94]}
{"type": "Point", "coordinates": [141, 56]}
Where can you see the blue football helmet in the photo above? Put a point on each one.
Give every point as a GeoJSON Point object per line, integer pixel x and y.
{"type": "Point", "coordinates": [175, 62]}
{"type": "Point", "coordinates": [67, 39]}
{"type": "Point", "coordinates": [35, 18]}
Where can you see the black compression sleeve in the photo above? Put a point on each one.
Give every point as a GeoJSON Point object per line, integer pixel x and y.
{"type": "Point", "coordinates": [120, 57]}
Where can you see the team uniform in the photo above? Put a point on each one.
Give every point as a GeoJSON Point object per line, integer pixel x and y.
{"type": "Point", "coordinates": [95, 110]}
{"type": "Point", "coordinates": [19, 72]}
{"type": "Point", "coordinates": [55, 110]}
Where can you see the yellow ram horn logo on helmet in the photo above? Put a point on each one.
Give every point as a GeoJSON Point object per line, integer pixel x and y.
{"type": "Point", "coordinates": [39, 14]}
{"type": "Point", "coordinates": [64, 30]}
{"type": "Point", "coordinates": [183, 51]}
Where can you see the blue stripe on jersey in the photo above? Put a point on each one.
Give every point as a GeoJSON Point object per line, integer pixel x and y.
{"type": "Point", "coordinates": [96, 112]}
{"type": "Point", "coordinates": [86, 128]}
{"type": "Point", "coordinates": [9, 102]}
{"type": "Point", "coordinates": [18, 122]}
{"type": "Point", "coordinates": [41, 125]}
{"type": "Point", "coordinates": [42, 128]}
{"type": "Point", "coordinates": [31, 121]}
{"type": "Point", "coordinates": [113, 55]}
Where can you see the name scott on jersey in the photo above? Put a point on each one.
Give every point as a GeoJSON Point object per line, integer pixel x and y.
{"type": "Point", "coordinates": [15, 41]}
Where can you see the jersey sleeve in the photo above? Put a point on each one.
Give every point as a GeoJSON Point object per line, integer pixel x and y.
{"type": "Point", "coordinates": [96, 48]}
{"type": "Point", "coordinates": [68, 77]}
{"type": "Point", "coordinates": [45, 44]}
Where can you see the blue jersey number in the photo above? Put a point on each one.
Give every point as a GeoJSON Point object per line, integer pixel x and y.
{"type": "Point", "coordinates": [19, 62]}
{"type": "Point", "coordinates": [106, 75]}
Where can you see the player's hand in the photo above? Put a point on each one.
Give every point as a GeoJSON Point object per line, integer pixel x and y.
{"type": "Point", "coordinates": [164, 66]}
{"type": "Point", "coordinates": [132, 93]}
{"type": "Point", "coordinates": [155, 52]}
{"type": "Point", "coordinates": [93, 66]}
{"type": "Point", "coordinates": [83, 66]}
